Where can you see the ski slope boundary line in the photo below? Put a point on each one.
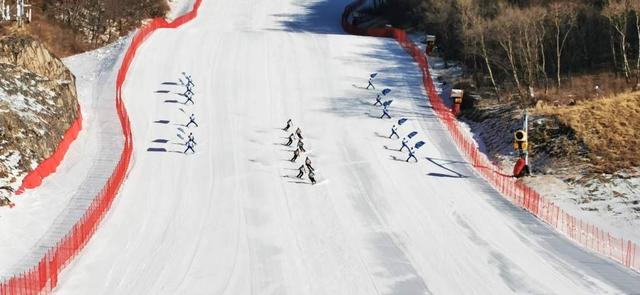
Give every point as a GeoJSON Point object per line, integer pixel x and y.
{"type": "Point", "coordinates": [626, 252]}
{"type": "Point", "coordinates": [42, 278]}
{"type": "Point", "coordinates": [34, 178]}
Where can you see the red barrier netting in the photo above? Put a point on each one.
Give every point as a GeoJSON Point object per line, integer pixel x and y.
{"type": "Point", "coordinates": [583, 233]}
{"type": "Point", "coordinates": [49, 165]}
{"type": "Point", "coordinates": [43, 277]}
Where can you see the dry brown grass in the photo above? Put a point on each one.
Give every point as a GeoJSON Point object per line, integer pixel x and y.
{"type": "Point", "coordinates": [608, 126]}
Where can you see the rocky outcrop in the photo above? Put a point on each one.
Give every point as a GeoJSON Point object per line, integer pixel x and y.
{"type": "Point", "coordinates": [38, 103]}
{"type": "Point", "coordinates": [31, 55]}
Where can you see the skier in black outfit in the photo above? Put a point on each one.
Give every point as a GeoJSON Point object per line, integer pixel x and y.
{"type": "Point", "coordinates": [299, 133]}
{"type": "Point", "coordinates": [296, 153]}
{"type": "Point", "coordinates": [189, 91]}
{"type": "Point", "coordinates": [290, 141]}
{"type": "Point", "coordinates": [286, 128]}
{"type": "Point", "coordinates": [189, 147]}
{"type": "Point", "coordinates": [189, 80]}
{"type": "Point", "coordinates": [307, 162]}
{"type": "Point", "coordinates": [192, 120]}
{"type": "Point", "coordinates": [301, 146]}
{"type": "Point", "coordinates": [189, 99]}
{"type": "Point", "coordinates": [312, 177]}
{"type": "Point", "coordinates": [191, 139]}
{"type": "Point", "coordinates": [300, 171]}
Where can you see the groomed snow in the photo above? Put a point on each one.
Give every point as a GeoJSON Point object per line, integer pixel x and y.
{"type": "Point", "coordinates": [232, 219]}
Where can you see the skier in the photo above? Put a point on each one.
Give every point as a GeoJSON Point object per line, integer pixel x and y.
{"type": "Point", "coordinates": [188, 92]}
{"type": "Point", "coordinates": [286, 128]}
{"type": "Point", "coordinates": [301, 146]}
{"type": "Point", "coordinates": [191, 139]}
{"type": "Point", "coordinates": [404, 144]}
{"type": "Point", "coordinates": [290, 141]}
{"type": "Point", "coordinates": [307, 162]}
{"type": "Point", "coordinates": [189, 81]}
{"type": "Point", "coordinates": [300, 171]}
{"type": "Point", "coordinates": [312, 177]}
{"type": "Point", "coordinates": [371, 84]}
{"type": "Point", "coordinates": [189, 99]}
{"type": "Point", "coordinates": [393, 132]}
{"type": "Point", "coordinates": [385, 113]}
{"type": "Point", "coordinates": [192, 120]}
{"type": "Point", "coordinates": [412, 155]}
{"type": "Point", "coordinates": [299, 133]}
{"type": "Point", "coordinates": [378, 100]}
{"type": "Point", "coordinates": [189, 147]}
{"type": "Point", "coordinates": [296, 153]}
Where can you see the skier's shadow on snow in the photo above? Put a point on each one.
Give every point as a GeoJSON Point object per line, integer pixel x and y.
{"type": "Point", "coordinates": [163, 150]}
{"type": "Point", "coordinates": [390, 149]}
{"type": "Point", "coordinates": [398, 159]}
{"type": "Point", "coordinates": [455, 174]}
{"type": "Point", "coordinates": [361, 87]}
{"type": "Point", "coordinates": [157, 150]}
{"type": "Point", "coordinates": [298, 182]}
{"type": "Point", "coordinates": [373, 116]}
{"type": "Point", "coordinates": [376, 133]}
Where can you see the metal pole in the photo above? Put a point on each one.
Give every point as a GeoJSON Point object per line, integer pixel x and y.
{"type": "Point", "coordinates": [526, 130]}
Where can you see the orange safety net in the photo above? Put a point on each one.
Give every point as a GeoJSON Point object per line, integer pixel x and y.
{"type": "Point", "coordinates": [579, 231]}
{"type": "Point", "coordinates": [43, 277]}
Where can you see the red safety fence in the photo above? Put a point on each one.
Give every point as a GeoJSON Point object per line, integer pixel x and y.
{"type": "Point", "coordinates": [579, 231]}
{"type": "Point", "coordinates": [43, 277]}
{"type": "Point", "coordinates": [49, 165]}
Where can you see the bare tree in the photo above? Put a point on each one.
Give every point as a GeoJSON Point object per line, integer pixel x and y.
{"type": "Point", "coordinates": [475, 29]}
{"type": "Point", "coordinates": [504, 29]}
{"type": "Point", "coordinates": [618, 14]}
{"type": "Point", "coordinates": [635, 5]}
{"type": "Point", "coordinates": [563, 17]}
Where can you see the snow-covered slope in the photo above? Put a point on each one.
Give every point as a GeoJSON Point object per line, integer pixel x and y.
{"type": "Point", "coordinates": [233, 219]}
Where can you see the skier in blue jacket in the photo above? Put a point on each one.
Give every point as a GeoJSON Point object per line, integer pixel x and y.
{"type": "Point", "coordinates": [412, 155]}
{"type": "Point", "coordinates": [385, 113]}
{"type": "Point", "coordinates": [394, 130]}
{"type": "Point", "coordinates": [404, 144]}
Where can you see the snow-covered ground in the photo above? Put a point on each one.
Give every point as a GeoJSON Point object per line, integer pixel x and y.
{"type": "Point", "coordinates": [178, 8]}
{"type": "Point", "coordinates": [42, 216]}
{"type": "Point", "coordinates": [233, 219]}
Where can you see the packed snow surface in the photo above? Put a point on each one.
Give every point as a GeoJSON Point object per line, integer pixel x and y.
{"type": "Point", "coordinates": [233, 219]}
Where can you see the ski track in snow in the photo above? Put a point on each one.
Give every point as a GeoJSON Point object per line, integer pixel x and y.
{"type": "Point", "coordinates": [230, 219]}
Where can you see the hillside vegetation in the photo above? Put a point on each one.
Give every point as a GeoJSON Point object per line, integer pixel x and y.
{"type": "Point", "coordinates": [68, 27]}
{"type": "Point", "coordinates": [609, 128]}
{"type": "Point", "coordinates": [511, 45]}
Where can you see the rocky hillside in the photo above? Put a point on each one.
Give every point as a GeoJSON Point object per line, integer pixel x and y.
{"type": "Point", "coordinates": [38, 104]}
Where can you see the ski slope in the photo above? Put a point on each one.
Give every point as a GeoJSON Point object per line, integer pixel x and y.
{"type": "Point", "coordinates": [233, 219]}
